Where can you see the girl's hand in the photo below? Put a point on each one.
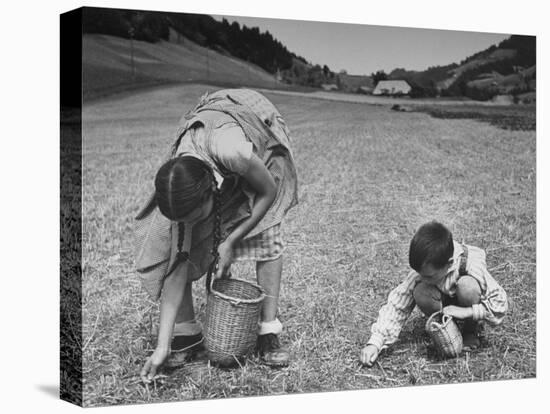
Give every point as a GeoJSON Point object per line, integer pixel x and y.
{"type": "Point", "coordinates": [149, 370]}
{"type": "Point", "coordinates": [225, 252]}
{"type": "Point", "coordinates": [458, 312]}
{"type": "Point", "coordinates": [369, 355]}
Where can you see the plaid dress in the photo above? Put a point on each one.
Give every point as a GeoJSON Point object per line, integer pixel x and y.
{"type": "Point", "coordinates": [267, 245]}
{"type": "Point", "coordinates": [264, 245]}
{"type": "Point", "coordinates": [264, 127]}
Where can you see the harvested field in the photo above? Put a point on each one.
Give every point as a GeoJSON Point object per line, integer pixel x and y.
{"type": "Point", "coordinates": [368, 177]}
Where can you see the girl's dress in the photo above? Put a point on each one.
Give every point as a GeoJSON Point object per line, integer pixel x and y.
{"type": "Point", "coordinates": [223, 130]}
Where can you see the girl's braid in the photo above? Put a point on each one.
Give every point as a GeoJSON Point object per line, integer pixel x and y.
{"type": "Point", "coordinates": [217, 218]}
{"type": "Point", "coordinates": [181, 234]}
{"type": "Point", "coordinates": [175, 145]}
{"type": "Point", "coordinates": [181, 256]}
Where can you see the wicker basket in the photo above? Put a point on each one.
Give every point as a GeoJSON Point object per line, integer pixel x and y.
{"type": "Point", "coordinates": [232, 314]}
{"type": "Point", "coordinates": [445, 335]}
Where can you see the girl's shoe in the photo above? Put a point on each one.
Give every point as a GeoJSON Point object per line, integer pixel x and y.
{"type": "Point", "coordinates": [184, 349]}
{"type": "Point", "coordinates": [270, 351]}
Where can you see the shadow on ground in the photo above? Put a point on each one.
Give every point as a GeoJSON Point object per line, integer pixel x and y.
{"type": "Point", "coordinates": [49, 389]}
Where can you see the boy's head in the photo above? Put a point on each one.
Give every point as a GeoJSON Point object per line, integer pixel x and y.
{"type": "Point", "coordinates": [431, 251]}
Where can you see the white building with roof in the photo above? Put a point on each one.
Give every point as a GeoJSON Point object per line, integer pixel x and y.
{"type": "Point", "coordinates": [392, 87]}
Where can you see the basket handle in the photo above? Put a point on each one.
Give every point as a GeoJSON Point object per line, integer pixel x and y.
{"type": "Point", "coordinates": [445, 319]}
{"type": "Point", "coordinates": [430, 320]}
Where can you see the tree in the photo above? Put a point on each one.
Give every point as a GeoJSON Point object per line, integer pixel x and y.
{"type": "Point", "coordinates": [378, 76]}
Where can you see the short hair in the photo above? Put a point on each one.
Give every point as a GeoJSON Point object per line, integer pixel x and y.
{"type": "Point", "coordinates": [431, 244]}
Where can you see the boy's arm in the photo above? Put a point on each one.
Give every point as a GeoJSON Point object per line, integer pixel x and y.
{"type": "Point", "coordinates": [494, 302]}
{"type": "Point", "coordinates": [394, 313]}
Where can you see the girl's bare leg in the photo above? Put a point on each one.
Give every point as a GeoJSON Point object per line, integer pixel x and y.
{"type": "Point", "coordinates": [186, 311]}
{"type": "Point", "coordinates": [269, 277]}
{"type": "Point", "coordinates": [187, 338]}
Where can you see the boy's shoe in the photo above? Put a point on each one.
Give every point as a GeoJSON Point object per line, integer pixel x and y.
{"type": "Point", "coordinates": [270, 351]}
{"type": "Point", "coordinates": [184, 349]}
{"type": "Point", "coordinates": [470, 336]}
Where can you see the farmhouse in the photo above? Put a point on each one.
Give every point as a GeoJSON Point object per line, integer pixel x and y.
{"type": "Point", "coordinates": [392, 87]}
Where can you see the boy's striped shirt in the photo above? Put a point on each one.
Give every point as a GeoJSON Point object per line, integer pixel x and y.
{"type": "Point", "coordinates": [400, 304]}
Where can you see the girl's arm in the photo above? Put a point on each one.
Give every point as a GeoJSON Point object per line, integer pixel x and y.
{"type": "Point", "coordinates": [263, 184]}
{"type": "Point", "coordinates": [172, 295]}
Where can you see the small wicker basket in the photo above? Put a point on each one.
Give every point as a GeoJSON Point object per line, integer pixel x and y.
{"type": "Point", "coordinates": [445, 335]}
{"type": "Point", "coordinates": [232, 314]}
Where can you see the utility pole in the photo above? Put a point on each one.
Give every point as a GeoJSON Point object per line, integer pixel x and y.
{"type": "Point", "coordinates": [131, 33]}
{"type": "Point", "coordinates": [207, 65]}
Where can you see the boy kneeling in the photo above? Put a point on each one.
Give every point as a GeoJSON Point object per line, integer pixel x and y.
{"type": "Point", "coordinates": [446, 275]}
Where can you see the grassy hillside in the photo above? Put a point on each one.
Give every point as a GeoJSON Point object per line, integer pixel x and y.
{"type": "Point", "coordinates": [483, 59]}
{"type": "Point", "coordinates": [506, 68]}
{"type": "Point", "coordinates": [107, 65]}
{"type": "Point", "coordinates": [243, 42]}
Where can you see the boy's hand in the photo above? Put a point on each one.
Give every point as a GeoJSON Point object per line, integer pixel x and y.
{"type": "Point", "coordinates": [369, 355]}
{"type": "Point", "coordinates": [458, 312]}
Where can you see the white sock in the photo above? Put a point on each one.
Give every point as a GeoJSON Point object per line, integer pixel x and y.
{"type": "Point", "coordinates": [275, 327]}
{"type": "Point", "coordinates": [187, 328]}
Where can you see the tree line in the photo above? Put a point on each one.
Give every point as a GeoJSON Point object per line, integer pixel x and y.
{"type": "Point", "coordinates": [246, 43]}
